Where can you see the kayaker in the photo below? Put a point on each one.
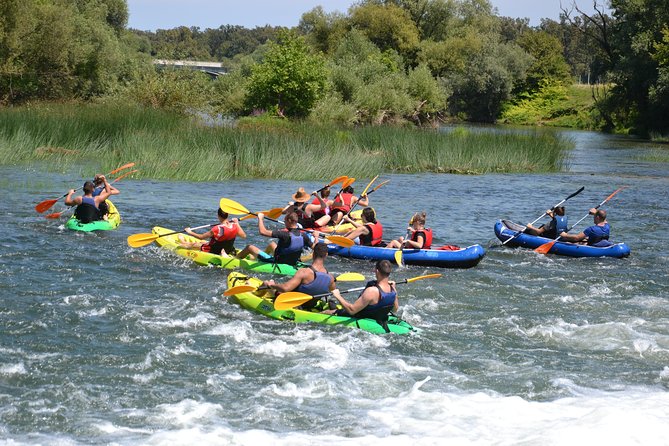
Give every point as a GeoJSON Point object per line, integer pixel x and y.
{"type": "Point", "coordinates": [322, 216]}
{"type": "Point", "coordinates": [558, 224]}
{"type": "Point", "coordinates": [221, 238]}
{"type": "Point", "coordinates": [420, 236]}
{"type": "Point", "coordinates": [376, 301]}
{"type": "Point", "coordinates": [305, 211]}
{"type": "Point", "coordinates": [369, 232]}
{"type": "Point", "coordinates": [313, 279]}
{"type": "Point", "coordinates": [289, 246]}
{"type": "Point", "coordinates": [99, 187]}
{"type": "Point", "coordinates": [88, 207]}
{"type": "Point", "coordinates": [343, 203]}
{"type": "Point", "coordinates": [595, 235]}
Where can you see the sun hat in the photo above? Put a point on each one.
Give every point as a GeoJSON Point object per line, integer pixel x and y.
{"type": "Point", "coordinates": [300, 196]}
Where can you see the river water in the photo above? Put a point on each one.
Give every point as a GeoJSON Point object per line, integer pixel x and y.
{"type": "Point", "coordinates": [104, 344]}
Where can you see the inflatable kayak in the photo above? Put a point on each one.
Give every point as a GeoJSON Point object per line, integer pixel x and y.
{"type": "Point", "coordinates": [112, 221]}
{"type": "Point", "coordinates": [171, 242]}
{"type": "Point", "coordinates": [505, 229]}
{"type": "Point", "coordinates": [262, 302]}
{"type": "Point", "coordinates": [451, 258]}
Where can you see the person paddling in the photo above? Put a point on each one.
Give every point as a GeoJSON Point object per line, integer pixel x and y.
{"type": "Point", "coordinates": [595, 235]}
{"type": "Point", "coordinates": [312, 280]}
{"type": "Point", "coordinates": [420, 236]}
{"type": "Point", "coordinates": [558, 224]}
{"type": "Point", "coordinates": [306, 212]}
{"type": "Point", "coordinates": [343, 203]}
{"type": "Point", "coordinates": [221, 238]}
{"type": "Point", "coordinates": [288, 247]}
{"type": "Point", "coordinates": [370, 232]}
{"type": "Point", "coordinates": [99, 187]}
{"type": "Point", "coordinates": [377, 301]}
{"type": "Point", "coordinates": [88, 207]}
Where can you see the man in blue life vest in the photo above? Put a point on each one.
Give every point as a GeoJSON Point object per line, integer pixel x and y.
{"type": "Point", "coordinates": [288, 247]}
{"type": "Point", "coordinates": [377, 300]}
{"type": "Point", "coordinates": [88, 207]}
{"type": "Point", "coordinates": [595, 235]}
{"type": "Point", "coordinates": [555, 227]}
{"type": "Point", "coordinates": [313, 279]}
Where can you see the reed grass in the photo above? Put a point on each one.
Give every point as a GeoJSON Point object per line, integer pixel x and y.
{"type": "Point", "coordinates": [169, 146]}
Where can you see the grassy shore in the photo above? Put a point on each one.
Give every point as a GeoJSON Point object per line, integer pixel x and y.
{"type": "Point", "coordinates": [170, 146]}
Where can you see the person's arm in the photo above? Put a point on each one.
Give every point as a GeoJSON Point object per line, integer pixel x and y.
{"type": "Point", "coordinates": [363, 201]}
{"type": "Point", "coordinates": [205, 236]}
{"type": "Point", "coordinates": [355, 224]}
{"type": "Point", "coordinates": [290, 284]}
{"type": "Point", "coordinates": [240, 230]}
{"type": "Point", "coordinates": [313, 207]}
{"type": "Point", "coordinates": [418, 243]}
{"type": "Point", "coordinates": [572, 237]}
{"type": "Point", "coordinates": [362, 302]}
{"type": "Point", "coordinates": [69, 201]}
{"type": "Point", "coordinates": [106, 193]}
{"type": "Point", "coordinates": [261, 226]}
{"type": "Point", "coordinates": [357, 232]}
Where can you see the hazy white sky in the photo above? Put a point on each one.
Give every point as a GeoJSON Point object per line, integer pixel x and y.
{"type": "Point", "coordinates": [155, 14]}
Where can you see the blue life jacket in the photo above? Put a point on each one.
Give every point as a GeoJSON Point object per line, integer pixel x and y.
{"type": "Point", "coordinates": [597, 233]}
{"type": "Point", "coordinates": [290, 254]}
{"type": "Point", "coordinates": [98, 190]}
{"type": "Point", "coordinates": [87, 211]}
{"type": "Point", "coordinates": [380, 310]}
{"type": "Point", "coordinates": [320, 285]}
{"type": "Point", "coordinates": [561, 224]}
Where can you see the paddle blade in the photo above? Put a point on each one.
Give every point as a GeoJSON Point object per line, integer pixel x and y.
{"type": "Point", "coordinates": [125, 166]}
{"type": "Point", "coordinates": [337, 180]}
{"type": "Point", "coordinates": [350, 277]}
{"type": "Point", "coordinates": [139, 240]}
{"type": "Point", "coordinates": [427, 276]}
{"type": "Point", "coordinates": [399, 258]}
{"type": "Point", "coordinates": [364, 192]}
{"type": "Point", "coordinates": [55, 215]}
{"type": "Point", "coordinates": [119, 178]}
{"type": "Point", "coordinates": [232, 207]}
{"type": "Point", "coordinates": [340, 240]}
{"type": "Point", "coordinates": [289, 300]}
{"type": "Point", "coordinates": [379, 186]}
{"type": "Point", "coordinates": [347, 183]}
{"type": "Point", "coordinates": [239, 290]}
{"type": "Point", "coordinates": [45, 205]}
{"type": "Point", "coordinates": [546, 247]}
{"type": "Point", "coordinates": [271, 213]}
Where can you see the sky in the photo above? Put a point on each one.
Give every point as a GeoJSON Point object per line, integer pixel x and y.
{"type": "Point", "coordinates": [166, 14]}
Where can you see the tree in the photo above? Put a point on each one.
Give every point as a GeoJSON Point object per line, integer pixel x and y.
{"type": "Point", "coordinates": [289, 80]}
{"type": "Point", "coordinates": [548, 63]}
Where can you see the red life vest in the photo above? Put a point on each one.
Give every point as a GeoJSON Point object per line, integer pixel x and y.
{"type": "Point", "coordinates": [223, 239]}
{"type": "Point", "coordinates": [375, 236]}
{"type": "Point", "coordinates": [318, 214]}
{"type": "Point", "coordinates": [427, 237]}
{"type": "Point", "coordinates": [343, 202]}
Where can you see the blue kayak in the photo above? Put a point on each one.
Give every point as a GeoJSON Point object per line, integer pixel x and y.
{"type": "Point", "coordinates": [505, 229]}
{"type": "Point", "coordinates": [451, 258]}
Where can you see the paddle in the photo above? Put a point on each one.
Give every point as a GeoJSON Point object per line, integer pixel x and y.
{"type": "Point", "coordinates": [543, 215]}
{"type": "Point", "coordinates": [345, 277]}
{"type": "Point", "coordinates": [546, 247]}
{"type": "Point", "coordinates": [46, 204]}
{"type": "Point", "coordinates": [272, 213]}
{"type": "Point", "coordinates": [232, 207]}
{"type": "Point", "coordinates": [139, 240]}
{"type": "Point", "coordinates": [58, 214]}
{"type": "Point", "coordinates": [292, 299]}
{"type": "Point", "coordinates": [355, 204]}
{"type": "Point", "coordinates": [337, 180]}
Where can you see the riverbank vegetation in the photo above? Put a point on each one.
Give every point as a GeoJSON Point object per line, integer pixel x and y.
{"type": "Point", "coordinates": [167, 145]}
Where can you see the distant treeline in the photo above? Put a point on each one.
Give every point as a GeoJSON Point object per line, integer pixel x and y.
{"type": "Point", "coordinates": [383, 61]}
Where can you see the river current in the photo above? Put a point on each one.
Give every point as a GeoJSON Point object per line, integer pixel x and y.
{"type": "Point", "coordinates": [104, 344]}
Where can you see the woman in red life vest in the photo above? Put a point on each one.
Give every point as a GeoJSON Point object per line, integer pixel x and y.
{"type": "Point", "coordinates": [370, 232]}
{"type": "Point", "coordinates": [343, 203]}
{"type": "Point", "coordinates": [221, 238]}
{"type": "Point", "coordinates": [420, 236]}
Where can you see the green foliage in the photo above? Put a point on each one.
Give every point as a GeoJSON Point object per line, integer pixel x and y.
{"type": "Point", "coordinates": [167, 145]}
{"type": "Point", "coordinates": [548, 63]}
{"type": "Point", "coordinates": [332, 110]}
{"type": "Point", "coordinates": [289, 78]}
{"type": "Point", "coordinates": [387, 26]}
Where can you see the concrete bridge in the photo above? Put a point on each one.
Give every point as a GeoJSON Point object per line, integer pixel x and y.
{"type": "Point", "coordinates": [211, 68]}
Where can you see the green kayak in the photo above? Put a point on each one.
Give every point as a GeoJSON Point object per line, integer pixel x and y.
{"type": "Point", "coordinates": [112, 222]}
{"type": "Point", "coordinates": [262, 302]}
{"type": "Point", "coordinates": [171, 243]}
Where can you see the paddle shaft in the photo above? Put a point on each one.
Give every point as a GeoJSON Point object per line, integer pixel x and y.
{"type": "Point", "coordinates": [544, 214]}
